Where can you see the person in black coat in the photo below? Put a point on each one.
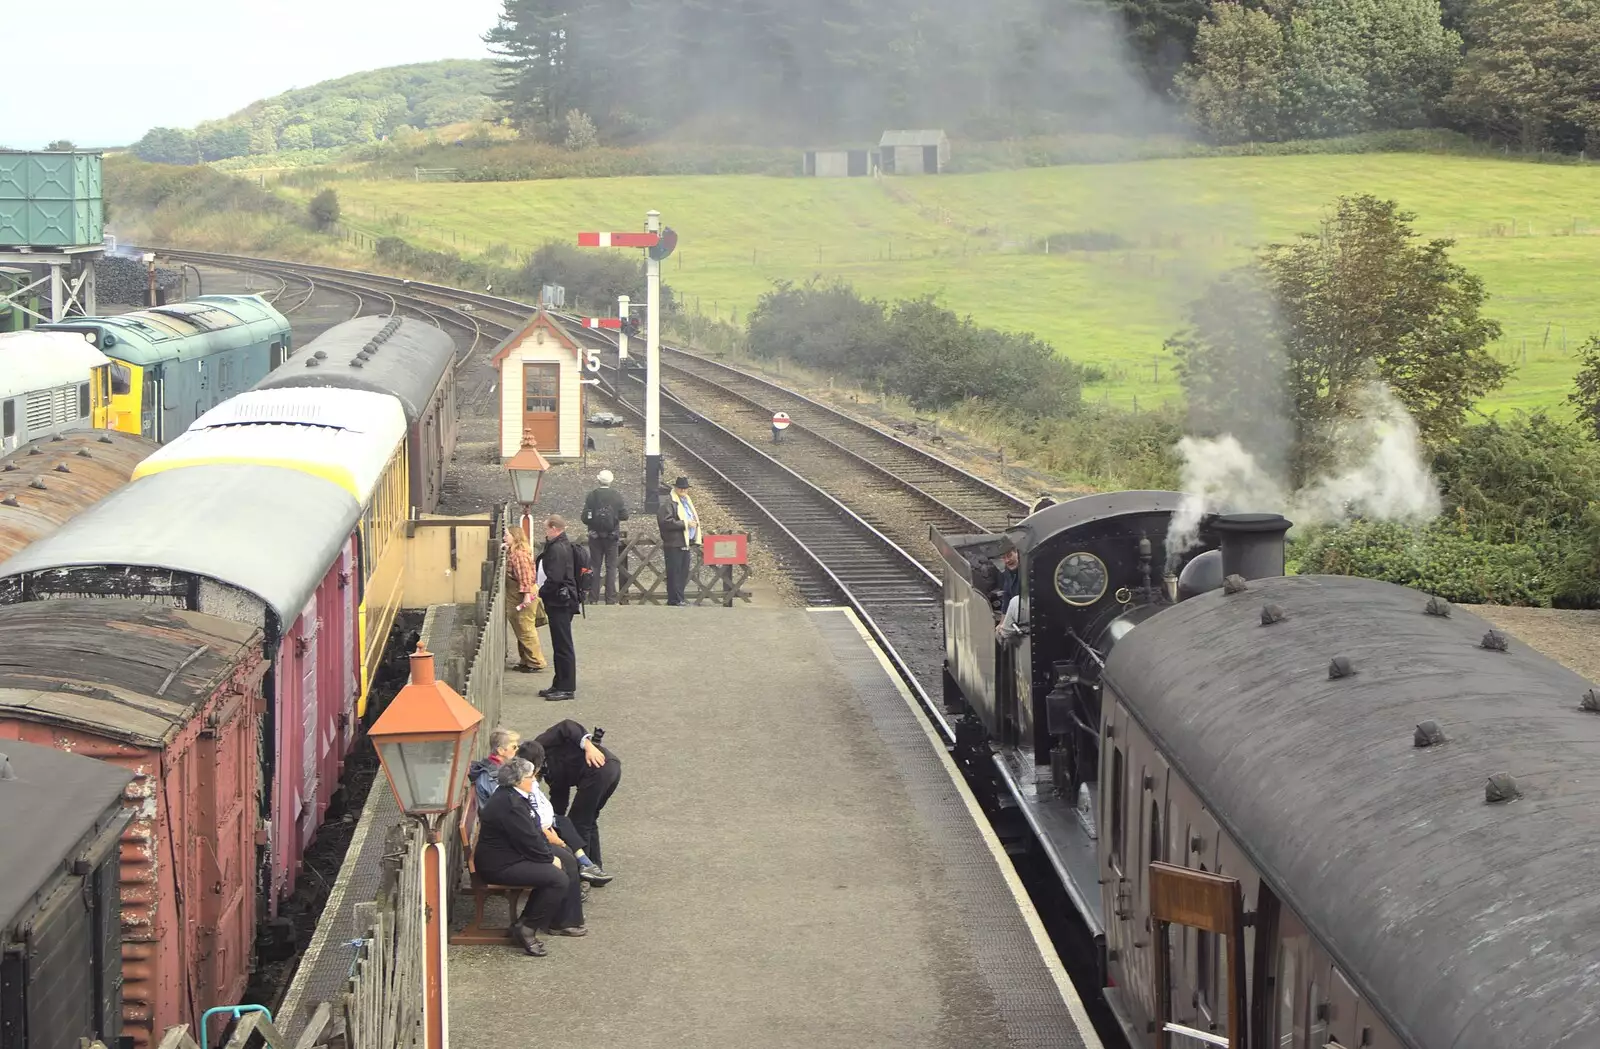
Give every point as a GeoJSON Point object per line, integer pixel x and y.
{"type": "Point", "coordinates": [680, 533]}
{"type": "Point", "coordinates": [559, 592]}
{"type": "Point", "coordinates": [603, 513]}
{"type": "Point", "coordinates": [576, 763]}
{"type": "Point", "coordinates": [512, 850]}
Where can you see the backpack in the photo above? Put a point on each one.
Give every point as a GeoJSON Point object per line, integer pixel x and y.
{"type": "Point", "coordinates": [603, 518]}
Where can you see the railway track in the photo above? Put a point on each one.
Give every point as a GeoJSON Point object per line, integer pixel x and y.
{"type": "Point", "coordinates": [849, 504]}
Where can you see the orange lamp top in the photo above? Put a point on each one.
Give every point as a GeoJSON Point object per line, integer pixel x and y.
{"type": "Point", "coordinates": [426, 706]}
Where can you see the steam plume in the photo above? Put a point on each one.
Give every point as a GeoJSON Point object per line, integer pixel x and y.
{"type": "Point", "coordinates": [1379, 473]}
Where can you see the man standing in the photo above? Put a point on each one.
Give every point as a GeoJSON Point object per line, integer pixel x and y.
{"type": "Point", "coordinates": [680, 532]}
{"type": "Point", "coordinates": [603, 512]}
{"type": "Point", "coordinates": [561, 600]}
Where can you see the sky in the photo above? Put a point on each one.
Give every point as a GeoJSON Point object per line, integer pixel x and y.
{"type": "Point", "coordinates": [129, 67]}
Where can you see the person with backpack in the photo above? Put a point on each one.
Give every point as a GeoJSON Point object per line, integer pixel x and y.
{"type": "Point", "coordinates": [563, 597]}
{"type": "Point", "coordinates": [603, 512]}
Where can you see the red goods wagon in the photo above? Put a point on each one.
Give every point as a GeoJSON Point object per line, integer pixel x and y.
{"type": "Point", "coordinates": [175, 698]}
{"type": "Point", "coordinates": [271, 548]}
{"type": "Point", "coordinates": [45, 482]}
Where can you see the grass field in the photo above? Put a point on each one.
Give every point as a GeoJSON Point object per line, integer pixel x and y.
{"type": "Point", "coordinates": [966, 238]}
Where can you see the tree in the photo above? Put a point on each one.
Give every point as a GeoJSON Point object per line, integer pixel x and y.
{"type": "Point", "coordinates": [324, 209]}
{"type": "Point", "coordinates": [1356, 303]}
{"type": "Point", "coordinates": [1235, 86]}
{"type": "Point", "coordinates": [61, 145]}
{"type": "Point", "coordinates": [1532, 73]}
{"type": "Point", "coordinates": [1585, 397]}
{"type": "Point", "coordinates": [167, 145]}
{"type": "Point", "coordinates": [580, 131]}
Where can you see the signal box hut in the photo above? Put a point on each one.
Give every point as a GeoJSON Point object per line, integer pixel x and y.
{"type": "Point", "coordinates": [541, 390]}
{"type": "Point", "coordinates": [913, 152]}
{"type": "Point", "coordinates": [60, 911]}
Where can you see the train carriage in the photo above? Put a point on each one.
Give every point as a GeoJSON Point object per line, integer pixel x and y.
{"type": "Point", "coordinates": [45, 482]}
{"type": "Point", "coordinates": [51, 382]}
{"type": "Point", "coordinates": [352, 438]}
{"type": "Point", "coordinates": [1299, 811]}
{"type": "Point", "coordinates": [273, 548]}
{"type": "Point", "coordinates": [404, 358]}
{"type": "Point", "coordinates": [171, 699]}
{"type": "Point", "coordinates": [172, 363]}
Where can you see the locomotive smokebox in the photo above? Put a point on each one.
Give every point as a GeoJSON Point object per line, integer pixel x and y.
{"type": "Point", "coordinates": [1252, 545]}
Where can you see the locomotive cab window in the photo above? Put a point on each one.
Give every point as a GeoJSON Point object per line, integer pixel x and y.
{"type": "Point", "coordinates": [8, 424]}
{"type": "Point", "coordinates": [84, 408]}
{"type": "Point", "coordinates": [121, 379]}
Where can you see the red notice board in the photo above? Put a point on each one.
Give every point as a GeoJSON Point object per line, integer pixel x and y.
{"type": "Point", "coordinates": [727, 549]}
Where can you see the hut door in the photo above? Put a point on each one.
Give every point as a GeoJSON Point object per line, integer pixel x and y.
{"type": "Point", "coordinates": [930, 160]}
{"type": "Point", "coordinates": [541, 404]}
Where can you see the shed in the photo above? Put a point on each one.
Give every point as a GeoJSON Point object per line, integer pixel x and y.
{"type": "Point", "coordinates": [913, 152]}
{"type": "Point", "coordinates": [541, 390]}
{"type": "Point", "coordinates": [60, 927]}
{"type": "Point", "coordinates": [170, 702]}
{"type": "Point", "coordinates": [838, 163]}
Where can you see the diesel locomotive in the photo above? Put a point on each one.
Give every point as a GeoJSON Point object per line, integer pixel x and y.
{"type": "Point", "coordinates": [1295, 811]}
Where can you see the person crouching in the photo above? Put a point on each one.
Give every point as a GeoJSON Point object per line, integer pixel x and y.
{"type": "Point", "coordinates": [512, 850]}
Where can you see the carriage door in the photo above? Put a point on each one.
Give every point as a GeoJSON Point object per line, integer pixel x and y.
{"type": "Point", "coordinates": [150, 405]}
{"type": "Point", "coordinates": [1118, 886]}
{"type": "Point", "coordinates": [1146, 840]}
{"type": "Point", "coordinates": [310, 711]}
{"type": "Point", "coordinates": [541, 404]}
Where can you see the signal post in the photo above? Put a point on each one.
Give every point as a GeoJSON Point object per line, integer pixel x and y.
{"type": "Point", "coordinates": [658, 244]}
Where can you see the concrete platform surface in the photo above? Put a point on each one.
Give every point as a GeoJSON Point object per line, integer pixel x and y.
{"type": "Point", "coordinates": [796, 862]}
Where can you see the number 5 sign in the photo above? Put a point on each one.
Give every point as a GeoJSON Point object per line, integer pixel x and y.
{"type": "Point", "coordinates": [592, 361]}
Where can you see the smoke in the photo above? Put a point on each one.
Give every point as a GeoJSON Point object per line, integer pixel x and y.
{"type": "Point", "coordinates": [1377, 471]}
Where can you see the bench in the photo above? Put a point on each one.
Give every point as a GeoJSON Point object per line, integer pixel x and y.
{"type": "Point", "coordinates": [475, 933]}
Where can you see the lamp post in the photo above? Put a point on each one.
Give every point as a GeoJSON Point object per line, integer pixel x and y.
{"type": "Point", "coordinates": [527, 469]}
{"type": "Point", "coordinates": [424, 742]}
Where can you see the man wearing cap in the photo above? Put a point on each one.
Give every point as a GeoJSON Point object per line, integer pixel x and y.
{"type": "Point", "coordinates": [680, 531]}
{"type": "Point", "coordinates": [603, 513]}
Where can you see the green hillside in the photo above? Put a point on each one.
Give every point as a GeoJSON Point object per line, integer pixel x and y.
{"type": "Point", "coordinates": [335, 114]}
{"type": "Point", "coordinates": [977, 241]}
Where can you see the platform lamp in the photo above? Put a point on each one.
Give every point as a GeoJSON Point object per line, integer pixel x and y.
{"type": "Point", "coordinates": [527, 469]}
{"type": "Point", "coordinates": [424, 741]}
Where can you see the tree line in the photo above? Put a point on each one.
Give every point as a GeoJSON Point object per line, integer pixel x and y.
{"type": "Point", "coordinates": [1515, 71]}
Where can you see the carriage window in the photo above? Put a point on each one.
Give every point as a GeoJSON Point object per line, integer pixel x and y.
{"type": "Point", "coordinates": [1155, 831]}
{"type": "Point", "coordinates": [1116, 808]}
{"type": "Point", "coordinates": [1316, 1018]}
{"type": "Point", "coordinates": [1288, 1034]}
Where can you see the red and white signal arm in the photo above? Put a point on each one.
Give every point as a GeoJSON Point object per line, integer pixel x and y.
{"type": "Point", "coordinates": [780, 421]}
{"type": "Point", "coordinates": [727, 549]}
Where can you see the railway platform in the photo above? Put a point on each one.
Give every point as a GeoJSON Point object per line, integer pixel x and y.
{"type": "Point", "coordinates": [797, 861]}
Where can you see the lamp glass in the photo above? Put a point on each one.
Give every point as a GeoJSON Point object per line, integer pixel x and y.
{"type": "Point", "coordinates": [421, 771]}
{"type": "Point", "coordinates": [526, 484]}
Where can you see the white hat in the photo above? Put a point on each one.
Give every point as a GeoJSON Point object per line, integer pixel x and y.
{"type": "Point", "coordinates": [604, 478]}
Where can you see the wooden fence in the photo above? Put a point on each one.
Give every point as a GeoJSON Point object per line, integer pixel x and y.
{"type": "Point", "coordinates": [382, 1003]}
{"type": "Point", "coordinates": [642, 576]}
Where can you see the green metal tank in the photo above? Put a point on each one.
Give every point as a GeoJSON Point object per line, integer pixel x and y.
{"type": "Point", "coordinates": [50, 200]}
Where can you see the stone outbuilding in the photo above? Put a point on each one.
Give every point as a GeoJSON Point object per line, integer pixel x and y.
{"type": "Point", "coordinates": [541, 390]}
{"type": "Point", "coordinates": [913, 152]}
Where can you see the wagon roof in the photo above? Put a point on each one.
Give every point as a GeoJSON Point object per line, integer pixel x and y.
{"type": "Point", "coordinates": [108, 464]}
{"type": "Point", "coordinates": [407, 365]}
{"type": "Point", "coordinates": [131, 670]}
{"type": "Point", "coordinates": [269, 531]}
{"type": "Point", "coordinates": [44, 360]}
{"type": "Point", "coordinates": [55, 800]}
{"type": "Point", "coordinates": [1468, 925]}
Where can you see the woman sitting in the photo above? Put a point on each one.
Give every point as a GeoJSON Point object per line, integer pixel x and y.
{"type": "Point", "coordinates": [512, 850]}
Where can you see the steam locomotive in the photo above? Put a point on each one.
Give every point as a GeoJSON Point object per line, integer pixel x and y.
{"type": "Point", "coordinates": [1299, 811]}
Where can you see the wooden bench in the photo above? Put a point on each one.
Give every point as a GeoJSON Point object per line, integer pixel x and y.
{"type": "Point", "coordinates": [475, 933]}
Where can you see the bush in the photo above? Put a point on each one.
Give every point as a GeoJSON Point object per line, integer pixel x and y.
{"type": "Point", "coordinates": [324, 209]}
{"type": "Point", "coordinates": [915, 349]}
{"type": "Point", "coordinates": [1436, 560]}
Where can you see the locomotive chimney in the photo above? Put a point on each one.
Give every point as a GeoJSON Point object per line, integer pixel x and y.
{"type": "Point", "coordinates": [1252, 545]}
